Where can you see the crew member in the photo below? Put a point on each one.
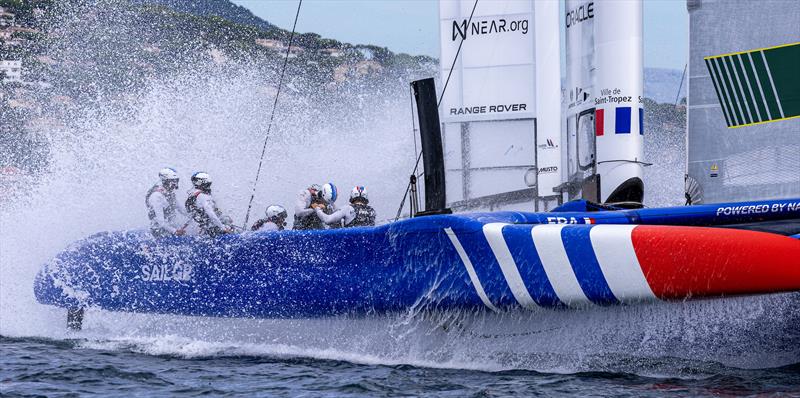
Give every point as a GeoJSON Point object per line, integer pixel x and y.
{"type": "Point", "coordinates": [275, 220]}
{"type": "Point", "coordinates": [201, 207]}
{"type": "Point", "coordinates": [357, 214]}
{"type": "Point", "coordinates": [307, 200]}
{"type": "Point", "coordinates": [162, 208]}
{"type": "Point", "coordinates": [327, 199]}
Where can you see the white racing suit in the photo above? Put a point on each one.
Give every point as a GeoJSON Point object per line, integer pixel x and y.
{"type": "Point", "coordinates": [202, 209]}
{"type": "Point", "coordinates": [162, 209]}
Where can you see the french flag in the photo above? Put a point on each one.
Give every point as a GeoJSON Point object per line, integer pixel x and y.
{"type": "Point", "coordinates": [621, 120]}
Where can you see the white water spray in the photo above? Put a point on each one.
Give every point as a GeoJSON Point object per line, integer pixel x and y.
{"type": "Point", "coordinates": [210, 119]}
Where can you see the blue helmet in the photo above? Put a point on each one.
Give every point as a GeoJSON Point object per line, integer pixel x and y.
{"type": "Point", "coordinates": [329, 193]}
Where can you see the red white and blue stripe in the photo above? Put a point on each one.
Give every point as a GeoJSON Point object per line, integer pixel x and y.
{"type": "Point", "coordinates": [551, 265]}
{"type": "Point", "coordinates": [619, 120]}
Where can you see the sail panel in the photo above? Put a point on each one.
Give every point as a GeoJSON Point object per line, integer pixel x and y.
{"type": "Point", "coordinates": [743, 140]}
{"type": "Point", "coordinates": [491, 110]}
{"type": "Point", "coordinates": [493, 78]}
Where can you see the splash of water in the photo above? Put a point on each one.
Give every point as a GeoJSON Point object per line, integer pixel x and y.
{"type": "Point", "coordinates": [207, 118]}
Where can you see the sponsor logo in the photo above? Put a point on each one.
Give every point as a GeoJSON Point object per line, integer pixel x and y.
{"type": "Point", "coordinates": [578, 96]}
{"type": "Point", "coordinates": [483, 109]}
{"type": "Point", "coordinates": [570, 220]}
{"type": "Point", "coordinates": [166, 272]}
{"type": "Point", "coordinates": [614, 96]}
{"type": "Point", "coordinates": [487, 27]}
{"type": "Point", "coordinates": [758, 209]}
{"type": "Point", "coordinates": [580, 14]}
{"type": "Point", "coordinates": [548, 144]}
{"type": "Point", "coordinates": [548, 169]}
{"type": "Point", "coordinates": [714, 170]}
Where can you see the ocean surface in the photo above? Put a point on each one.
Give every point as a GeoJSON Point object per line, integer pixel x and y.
{"type": "Point", "coordinates": [41, 367]}
{"type": "Point", "coordinates": [161, 366]}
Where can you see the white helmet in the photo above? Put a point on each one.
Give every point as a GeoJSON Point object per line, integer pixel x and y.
{"type": "Point", "coordinates": [359, 192]}
{"type": "Point", "coordinates": [276, 212]}
{"type": "Point", "coordinates": [328, 193]}
{"type": "Point", "coordinates": [169, 177]}
{"type": "Point", "coordinates": [201, 180]}
{"type": "Point", "coordinates": [167, 174]}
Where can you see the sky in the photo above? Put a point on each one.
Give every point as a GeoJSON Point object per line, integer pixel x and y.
{"type": "Point", "coordinates": [411, 26]}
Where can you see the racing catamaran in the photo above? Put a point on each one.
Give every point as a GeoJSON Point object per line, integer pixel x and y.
{"type": "Point", "coordinates": [599, 249]}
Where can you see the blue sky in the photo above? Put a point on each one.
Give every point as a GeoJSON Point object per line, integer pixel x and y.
{"type": "Point", "coordinates": [410, 26]}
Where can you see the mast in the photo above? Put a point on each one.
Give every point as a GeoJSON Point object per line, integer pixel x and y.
{"type": "Point", "coordinates": [604, 117]}
{"type": "Point", "coordinates": [548, 102]}
{"type": "Point", "coordinates": [501, 111]}
{"type": "Point", "coordinates": [618, 98]}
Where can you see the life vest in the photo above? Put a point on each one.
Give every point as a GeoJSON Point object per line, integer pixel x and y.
{"type": "Point", "coordinates": [172, 207]}
{"type": "Point", "coordinates": [310, 221]}
{"type": "Point", "coordinates": [365, 216]}
{"type": "Point", "coordinates": [199, 215]}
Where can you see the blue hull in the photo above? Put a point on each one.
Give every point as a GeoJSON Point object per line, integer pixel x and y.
{"type": "Point", "coordinates": [472, 261]}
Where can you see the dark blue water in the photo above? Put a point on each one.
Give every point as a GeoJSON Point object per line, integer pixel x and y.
{"type": "Point", "coordinates": [66, 368]}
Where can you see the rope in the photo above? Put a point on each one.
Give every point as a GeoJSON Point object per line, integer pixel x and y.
{"type": "Point", "coordinates": [414, 137]}
{"type": "Point", "coordinates": [438, 103]}
{"type": "Point", "coordinates": [408, 188]}
{"type": "Point", "coordinates": [681, 85]}
{"type": "Point", "coordinates": [453, 65]}
{"type": "Point", "coordinates": [272, 117]}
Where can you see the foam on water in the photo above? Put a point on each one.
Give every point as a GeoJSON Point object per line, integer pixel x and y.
{"type": "Point", "coordinates": [670, 339]}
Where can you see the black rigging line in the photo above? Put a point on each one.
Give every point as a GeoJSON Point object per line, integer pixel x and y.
{"type": "Point", "coordinates": [683, 76]}
{"type": "Point", "coordinates": [408, 188]}
{"type": "Point", "coordinates": [438, 103]}
{"type": "Point", "coordinates": [469, 23]}
{"type": "Point", "coordinates": [272, 117]}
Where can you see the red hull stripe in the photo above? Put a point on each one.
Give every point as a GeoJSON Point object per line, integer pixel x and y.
{"type": "Point", "coordinates": [682, 262]}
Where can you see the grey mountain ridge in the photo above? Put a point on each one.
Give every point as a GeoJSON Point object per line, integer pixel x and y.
{"type": "Point", "coordinates": [221, 8]}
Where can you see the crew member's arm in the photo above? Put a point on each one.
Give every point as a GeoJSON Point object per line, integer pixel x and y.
{"type": "Point", "coordinates": [269, 226]}
{"type": "Point", "coordinates": [209, 208]}
{"type": "Point", "coordinates": [301, 206]}
{"type": "Point", "coordinates": [335, 217]}
{"type": "Point", "coordinates": [158, 203]}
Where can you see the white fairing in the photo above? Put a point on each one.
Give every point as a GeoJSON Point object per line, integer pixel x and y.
{"type": "Point", "coordinates": [618, 92]}
{"type": "Point", "coordinates": [501, 109]}
{"type": "Point", "coordinates": [548, 94]}
{"type": "Point", "coordinates": [580, 66]}
{"type": "Point", "coordinates": [493, 78]}
{"type": "Point", "coordinates": [603, 93]}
